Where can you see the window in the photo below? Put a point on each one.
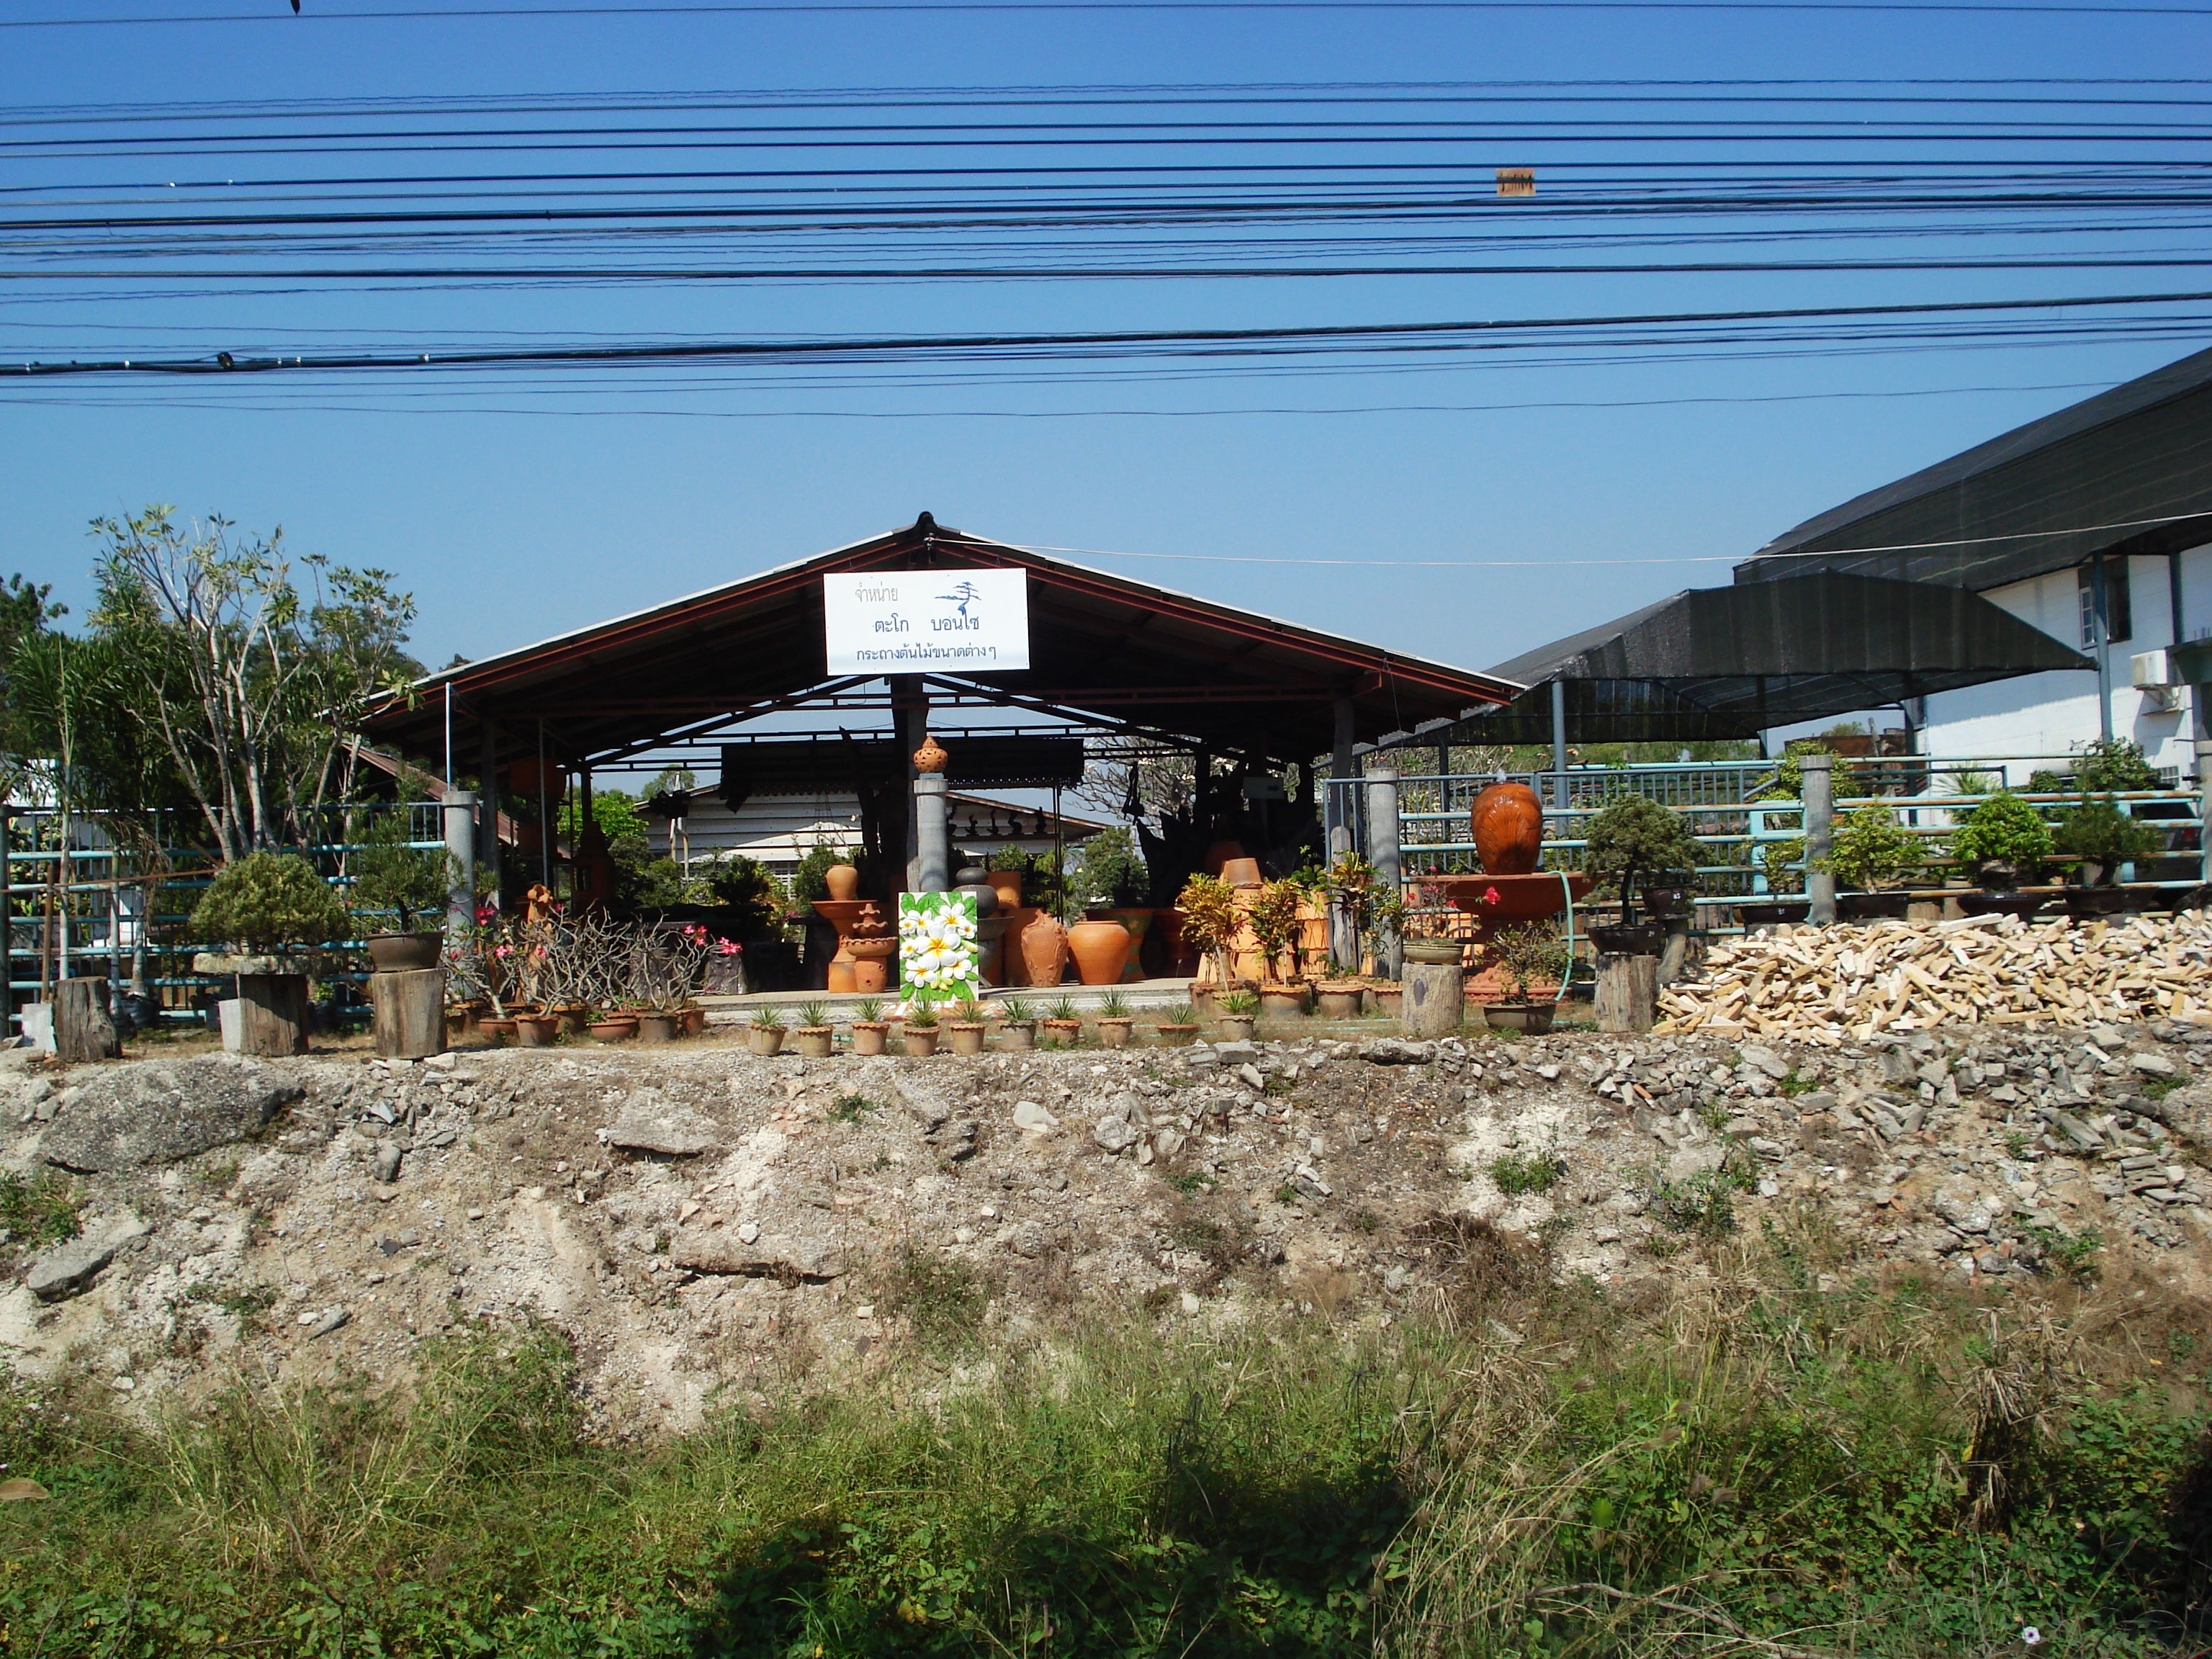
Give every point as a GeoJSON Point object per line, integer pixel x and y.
{"type": "Point", "coordinates": [2119, 620]}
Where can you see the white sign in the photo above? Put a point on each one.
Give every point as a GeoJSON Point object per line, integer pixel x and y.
{"type": "Point", "coordinates": [908, 621]}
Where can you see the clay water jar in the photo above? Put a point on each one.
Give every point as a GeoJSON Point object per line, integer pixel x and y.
{"type": "Point", "coordinates": [1007, 884]}
{"type": "Point", "coordinates": [1043, 945]}
{"type": "Point", "coordinates": [657, 1028]}
{"type": "Point", "coordinates": [842, 880]}
{"type": "Point", "coordinates": [1508, 821]}
{"type": "Point", "coordinates": [964, 1036]}
{"type": "Point", "coordinates": [1114, 1033]}
{"type": "Point", "coordinates": [1100, 950]}
{"type": "Point", "coordinates": [868, 1036]}
{"type": "Point", "coordinates": [813, 1041]}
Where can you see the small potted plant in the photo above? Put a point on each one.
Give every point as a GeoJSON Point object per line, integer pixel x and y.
{"type": "Point", "coordinates": [613, 1026]}
{"type": "Point", "coordinates": [869, 1026]}
{"type": "Point", "coordinates": [1635, 838]}
{"type": "Point", "coordinates": [1235, 1012]}
{"type": "Point", "coordinates": [1875, 856]}
{"type": "Point", "coordinates": [1337, 996]}
{"type": "Point", "coordinates": [1018, 1028]}
{"type": "Point", "coordinates": [765, 1032]}
{"type": "Point", "coordinates": [813, 1037]}
{"type": "Point", "coordinates": [2002, 843]}
{"type": "Point", "coordinates": [535, 1028]}
{"type": "Point", "coordinates": [1062, 1025]}
{"type": "Point", "coordinates": [2103, 838]}
{"type": "Point", "coordinates": [918, 1031]}
{"type": "Point", "coordinates": [1276, 925]}
{"type": "Point", "coordinates": [1784, 863]}
{"type": "Point", "coordinates": [964, 1036]}
{"type": "Point", "coordinates": [1180, 1026]}
{"type": "Point", "coordinates": [1207, 905]}
{"type": "Point", "coordinates": [1533, 957]}
{"type": "Point", "coordinates": [391, 877]}
{"type": "Point", "coordinates": [1115, 1021]}
{"type": "Point", "coordinates": [267, 908]}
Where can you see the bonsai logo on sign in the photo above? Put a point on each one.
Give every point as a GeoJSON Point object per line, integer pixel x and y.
{"type": "Point", "coordinates": [901, 622]}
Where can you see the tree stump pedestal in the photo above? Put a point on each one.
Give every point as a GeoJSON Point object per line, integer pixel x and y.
{"type": "Point", "coordinates": [411, 1013]}
{"type": "Point", "coordinates": [84, 1030]}
{"type": "Point", "coordinates": [1627, 992]}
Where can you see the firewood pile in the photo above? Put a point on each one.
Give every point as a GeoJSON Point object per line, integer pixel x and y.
{"type": "Point", "coordinates": [1848, 984]}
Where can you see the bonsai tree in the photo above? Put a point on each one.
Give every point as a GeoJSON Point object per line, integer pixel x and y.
{"type": "Point", "coordinates": [1528, 954]}
{"type": "Point", "coordinates": [1784, 863]}
{"type": "Point", "coordinates": [1636, 836]}
{"type": "Point", "coordinates": [2003, 841]}
{"type": "Point", "coordinates": [1275, 920]}
{"type": "Point", "coordinates": [2099, 834]}
{"type": "Point", "coordinates": [267, 901]}
{"type": "Point", "coordinates": [747, 886]}
{"type": "Point", "coordinates": [389, 875]}
{"type": "Point", "coordinates": [1210, 919]}
{"type": "Point", "coordinates": [1872, 851]}
{"type": "Point", "coordinates": [1113, 871]}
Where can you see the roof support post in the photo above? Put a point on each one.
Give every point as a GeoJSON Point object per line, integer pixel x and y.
{"type": "Point", "coordinates": [910, 724]}
{"type": "Point", "coordinates": [1337, 815]}
{"type": "Point", "coordinates": [459, 816]}
{"type": "Point", "coordinates": [487, 804]}
{"type": "Point", "coordinates": [1818, 771]}
{"type": "Point", "coordinates": [933, 848]}
{"type": "Point", "coordinates": [1560, 745]}
{"type": "Point", "coordinates": [2100, 637]}
{"type": "Point", "coordinates": [1384, 835]}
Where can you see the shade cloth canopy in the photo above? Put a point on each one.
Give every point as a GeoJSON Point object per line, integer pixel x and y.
{"type": "Point", "coordinates": [1729, 662]}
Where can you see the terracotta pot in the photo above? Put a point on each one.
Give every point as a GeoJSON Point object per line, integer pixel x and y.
{"type": "Point", "coordinates": [1175, 1035]}
{"type": "Point", "coordinates": [1339, 1000]}
{"type": "Point", "coordinates": [1509, 829]}
{"type": "Point", "coordinates": [1063, 1031]}
{"type": "Point", "coordinates": [1242, 872]}
{"type": "Point", "coordinates": [1102, 950]}
{"type": "Point", "coordinates": [1219, 854]}
{"type": "Point", "coordinates": [1388, 1000]}
{"type": "Point", "coordinates": [1233, 1027]}
{"type": "Point", "coordinates": [920, 1040]}
{"type": "Point", "coordinates": [499, 1030]}
{"type": "Point", "coordinates": [694, 1020]}
{"type": "Point", "coordinates": [964, 1036]}
{"type": "Point", "coordinates": [1283, 1001]}
{"type": "Point", "coordinates": [1007, 884]}
{"type": "Point", "coordinates": [613, 1030]}
{"type": "Point", "coordinates": [1440, 953]}
{"type": "Point", "coordinates": [399, 953]}
{"type": "Point", "coordinates": [868, 1036]}
{"type": "Point", "coordinates": [657, 1028]}
{"type": "Point", "coordinates": [1017, 1034]}
{"type": "Point", "coordinates": [1114, 1033]}
{"type": "Point", "coordinates": [1044, 950]}
{"type": "Point", "coordinates": [573, 1017]}
{"type": "Point", "coordinates": [843, 882]}
{"type": "Point", "coordinates": [764, 1039]}
{"type": "Point", "coordinates": [813, 1041]}
{"type": "Point", "coordinates": [466, 1019]}
{"type": "Point", "coordinates": [1533, 1017]}
{"type": "Point", "coordinates": [536, 1030]}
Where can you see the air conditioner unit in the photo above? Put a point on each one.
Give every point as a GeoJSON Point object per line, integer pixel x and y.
{"type": "Point", "coordinates": [2148, 669]}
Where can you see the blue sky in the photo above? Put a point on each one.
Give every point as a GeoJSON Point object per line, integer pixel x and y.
{"type": "Point", "coordinates": [511, 526]}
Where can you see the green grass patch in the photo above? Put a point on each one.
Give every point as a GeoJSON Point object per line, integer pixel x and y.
{"type": "Point", "coordinates": [850, 1109]}
{"type": "Point", "coordinates": [40, 1209]}
{"type": "Point", "coordinates": [1518, 1173]}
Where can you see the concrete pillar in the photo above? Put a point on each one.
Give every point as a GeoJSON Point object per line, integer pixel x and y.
{"type": "Point", "coordinates": [1560, 744]}
{"type": "Point", "coordinates": [932, 850]}
{"type": "Point", "coordinates": [1819, 771]}
{"type": "Point", "coordinates": [1384, 835]}
{"type": "Point", "coordinates": [460, 824]}
{"type": "Point", "coordinates": [8, 929]}
{"type": "Point", "coordinates": [487, 804]}
{"type": "Point", "coordinates": [1339, 810]}
{"type": "Point", "coordinates": [2204, 796]}
{"type": "Point", "coordinates": [909, 726]}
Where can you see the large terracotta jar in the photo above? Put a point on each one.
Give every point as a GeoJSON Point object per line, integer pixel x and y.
{"type": "Point", "coordinates": [1044, 948]}
{"type": "Point", "coordinates": [844, 881]}
{"type": "Point", "coordinates": [1007, 884]}
{"type": "Point", "coordinates": [1509, 829]}
{"type": "Point", "coordinates": [1102, 950]}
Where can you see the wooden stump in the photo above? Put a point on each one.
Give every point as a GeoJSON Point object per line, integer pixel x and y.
{"type": "Point", "coordinates": [83, 1028]}
{"type": "Point", "coordinates": [272, 1014]}
{"type": "Point", "coordinates": [1435, 998]}
{"type": "Point", "coordinates": [411, 1013]}
{"type": "Point", "coordinates": [1627, 992]}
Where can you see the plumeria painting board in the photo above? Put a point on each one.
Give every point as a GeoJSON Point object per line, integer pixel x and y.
{"type": "Point", "coordinates": [939, 960]}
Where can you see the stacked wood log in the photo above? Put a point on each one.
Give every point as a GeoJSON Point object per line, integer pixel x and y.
{"type": "Point", "coordinates": [1847, 984]}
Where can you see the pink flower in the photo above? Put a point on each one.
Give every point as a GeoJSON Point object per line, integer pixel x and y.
{"type": "Point", "coordinates": [730, 947]}
{"type": "Point", "coordinates": [504, 950]}
{"type": "Point", "coordinates": [486, 915]}
{"type": "Point", "coordinates": [1491, 895]}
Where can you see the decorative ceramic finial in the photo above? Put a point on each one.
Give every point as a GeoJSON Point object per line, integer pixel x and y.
{"type": "Point", "coordinates": [931, 756]}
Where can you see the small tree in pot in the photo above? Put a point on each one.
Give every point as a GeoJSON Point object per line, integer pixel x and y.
{"type": "Point", "coordinates": [392, 877]}
{"type": "Point", "coordinates": [1528, 954]}
{"type": "Point", "coordinates": [2003, 842]}
{"type": "Point", "coordinates": [1634, 837]}
{"type": "Point", "coordinates": [1210, 920]}
{"type": "Point", "coordinates": [2104, 838]}
{"type": "Point", "coordinates": [1873, 852]}
{"type": "Point", "coordinates": [263, 905]}
{"type": "Point", "coordinates": [1275, 923]}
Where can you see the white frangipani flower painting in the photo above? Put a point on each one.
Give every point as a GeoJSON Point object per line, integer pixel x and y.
{"type": "Point", "coordinates": [939, 960]}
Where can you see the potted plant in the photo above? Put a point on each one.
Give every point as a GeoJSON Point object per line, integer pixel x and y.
{"type": "Point", "coordinates": [1115, 1021]}
{"type": "Point", "coordinates": [918, 1031]}
{"type": "Point", "coordinates": [1235, 1011]}
{"type": "Point", "coordinates": [1276, 925]}
{"type": "Point", "coordinates": [814, 1038]}
{"type": "Point", "coordinates": [1784, 863]}
{"type": "Point", "coordinates": [1062, 1025]}
{"type": "Point", "coordinates": [1635, 837]}
{"type": "Point", "coordinates": [390, 876]}
{"type": "Point", "coordinates": [2103, 838]}
{"type": "Point", "coordinates": [535, 1029]}
{"type": "Point", "coordinates": [2002, 843]}
{"type": "Point", "coordinates": [1019, 1028]}
{"type": "Point", "coordinates": [764, 1032]}
{"type": "Point", "coordinates": [1875, 855]}
{"type": "Point", "coordinates": [869, 1026]}
{"type": "Point", "coordinates": [1180, 1026]}
{"type": "Point", "coordinates": [267, 907]}
{"type": "Point", "coordinates": [1532, 955]}
{"type": "Point", "coordinates": [1337, 996]}
{"type": "Point", "coordinates": [613, 1027]}
{"type": "Point", "coordinates": [1210, 922]}
{"type": "Point", "coordinates": [964, 1036]}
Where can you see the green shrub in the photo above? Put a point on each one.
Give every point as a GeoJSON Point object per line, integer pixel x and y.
{"type": "Point", "coordinates": [1519, 1173]}
{"type": "Point", "coordinates": [267, 901]}
{"type": "Point", "coordinates": [2097, 831]}
{"type": "Point", "coordinates": [1636, 833]}
{"type": "Point", "coordinates": [1873, 851]}
{"type": "Point", "coordinates": [37, 1209]}
{"type": "Point", "coordinates": [1113, 873]}
{"type": "Point", "coordinates": [2003, 830]}
{"type": "Point", "coordinates": [389, 875]}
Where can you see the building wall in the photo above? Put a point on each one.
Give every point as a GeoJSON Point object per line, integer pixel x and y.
{"type": "Point", "coordinates": [2054, 714]}
{"type": "Point", "coordinates": [779, 831]}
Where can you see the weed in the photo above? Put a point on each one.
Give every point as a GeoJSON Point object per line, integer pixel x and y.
{"type": "Point", "coordinates": [245, 1305]}
{"type": "Point", "coordinates": [1190, 1183]}
{"type": "Point", "coordinates": [1794, 1084]}
{"type": "Point", "coordinates": [1366, 1221]}
{"type": "Point", "coordinates": [42, 1209]}
{"type": "Point", "coordinates": [1704, 1205]}
{"type": "Point", "coordinates": [2158, 1088]}
{"type": "Point", "coordinates": [940, 1296]}
{"type": "Point", "coordinates": [1517, 1173]}
{"type": "Point", "coordinates": [1290, 1192]}
{"type": "Point", "coordinates": [2074, 1255]}
{"type": "Point", "coordinates": [2018, 1144]}
{"type": "Point", "coordinates": [217, 1177]}
{"type": "Point", "coordinates": [849, 1109]}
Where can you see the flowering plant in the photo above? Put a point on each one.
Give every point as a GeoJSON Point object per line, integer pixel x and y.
{"type": "Point", "coordinates": [938, 959]}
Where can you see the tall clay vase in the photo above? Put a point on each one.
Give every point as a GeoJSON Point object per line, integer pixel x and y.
{"type": "Point", "coordinates": [1102, 950]}
{"type": "Point", "coordinates": [1509, 829]}
{"type": "Point", "coordinates": [844, 881]}
{"type": "Point", "coordinates": [1044, 948]}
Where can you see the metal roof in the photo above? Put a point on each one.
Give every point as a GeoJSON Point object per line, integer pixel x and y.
{"type": "Point", "coordinates": [1104, 647]}
{"type": "Point", "coordinates": [1729, 662]}
{"type": "Point", "coordinates": [2127, 470]}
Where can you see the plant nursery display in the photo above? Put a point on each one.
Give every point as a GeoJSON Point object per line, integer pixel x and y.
{"type": "Point", "coordinates": [268, 901]}
{"type": "Point", "coordinates": [391, 876]}
{"type": "Point", "coordinates": [2003, 842]}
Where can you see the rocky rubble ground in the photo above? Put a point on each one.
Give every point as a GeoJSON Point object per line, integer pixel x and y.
{"type": "Point", "coordinates": [707, 1221]}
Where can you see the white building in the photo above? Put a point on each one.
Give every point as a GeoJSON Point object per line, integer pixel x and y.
{"type": "Point", "coordinates": [780, 830]}
{"type": "Point", "coordinates": [2094, 525]}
